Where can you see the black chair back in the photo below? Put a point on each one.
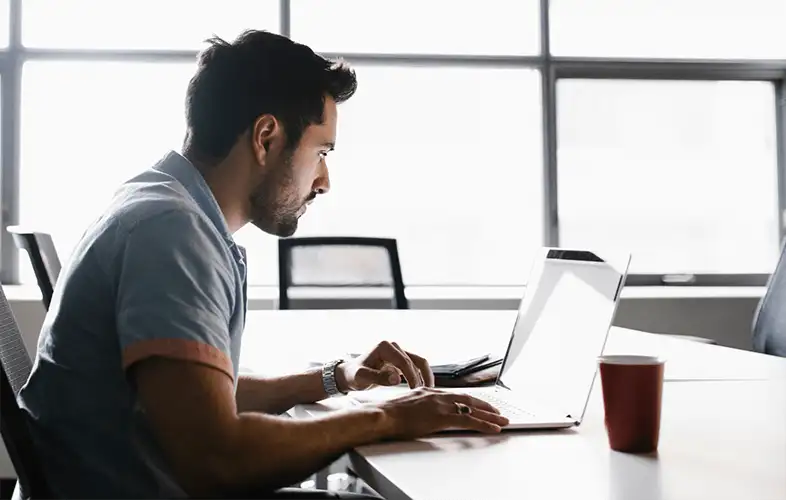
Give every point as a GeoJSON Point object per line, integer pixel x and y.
{"type": "Point", "coordinates": [342, 264]}
{"type": "Point", "coordinates": [16, 367]}
{"type": "Point", "coordinates": [43, 257]}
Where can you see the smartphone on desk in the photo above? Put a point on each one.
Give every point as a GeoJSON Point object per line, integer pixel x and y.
{"type": "Point", "coordinates": [456, 370]}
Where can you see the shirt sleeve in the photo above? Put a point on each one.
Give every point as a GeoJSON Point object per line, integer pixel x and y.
{"type": "Point", "coordinates": [174, 292]}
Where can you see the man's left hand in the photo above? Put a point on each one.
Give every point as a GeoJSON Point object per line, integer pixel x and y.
{"type": "Point", "coordinates": [384, 365]}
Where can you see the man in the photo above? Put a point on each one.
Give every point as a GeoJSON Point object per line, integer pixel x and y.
{"type": "Point", "coordinates": [135, 390]}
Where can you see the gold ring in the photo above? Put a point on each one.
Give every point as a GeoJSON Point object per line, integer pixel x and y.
{"type": "Point", "coordinates": [462, 409]}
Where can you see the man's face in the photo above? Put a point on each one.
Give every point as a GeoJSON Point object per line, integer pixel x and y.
{"type": "Point", "coordinates": [293, 178]}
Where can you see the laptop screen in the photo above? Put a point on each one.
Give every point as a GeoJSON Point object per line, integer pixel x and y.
{"type": "Point", "coordinates": [561, 328]}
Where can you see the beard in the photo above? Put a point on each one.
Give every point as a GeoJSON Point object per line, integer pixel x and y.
{"type": "Point", "coordinates": [275, 202]}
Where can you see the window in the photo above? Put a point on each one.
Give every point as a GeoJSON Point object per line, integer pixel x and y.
{"type": "Point", "coordinates": [100, 125]}
{"type": "Point", "coordinates": [140, 24]}
{"type": "Point", "coordinates": [731, 29]}
{"type": "Point", "coordinates": [394, 174]}
{"type": "Point", "coordinates": [434, 158]}
{"type": "Point", "coordinates": [681, 173]}
{"type": "Point", "coordinates": [666, 131]}
{"type": "Point", "coordinates": [469, 27]}
{"type": "Point", "coordinates": [463, 198]}
{"type": "Point", "coordinates": [446, 160]}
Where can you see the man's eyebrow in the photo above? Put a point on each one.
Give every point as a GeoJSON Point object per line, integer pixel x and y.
{"type": "Point", "coordinates": [330, 145]}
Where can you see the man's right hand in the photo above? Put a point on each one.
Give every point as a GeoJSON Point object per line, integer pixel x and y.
{"type": "Point", "coordinates": [425, 411]}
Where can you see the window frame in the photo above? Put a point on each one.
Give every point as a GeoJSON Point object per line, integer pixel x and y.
{"type": "Point", "coordinates": [551, 68]}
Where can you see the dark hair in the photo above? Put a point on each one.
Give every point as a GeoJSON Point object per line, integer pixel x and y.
{"type": "Point", "coordinates": [258, 73]}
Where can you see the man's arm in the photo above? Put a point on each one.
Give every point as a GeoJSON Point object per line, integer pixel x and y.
{"type": "Point", "coordinates": [215, 451]}
{"type": "Point", "coordinates": [385, 365]}
{"type": "Point", "coordinates": [174, 306]}
{"type": "Point", "coordinates": [278, 394]}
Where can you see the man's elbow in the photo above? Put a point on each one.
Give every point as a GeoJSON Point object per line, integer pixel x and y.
{"type": "Point", "coordinates": [230, 468]}
{"type": "Point", "coordinates": [191, 409]}
{"type": "Point", "coordinates": [212, 463]}
{"type": "Point", "coordinates": [208, 474]}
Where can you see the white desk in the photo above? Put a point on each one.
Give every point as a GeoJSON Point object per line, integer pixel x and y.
{"type": "Point", "coordinates": [719, 440]}
{"type": "Point", "coordinates": [283, 341]}
{"type": "Point", "coordinates": [723, 433]}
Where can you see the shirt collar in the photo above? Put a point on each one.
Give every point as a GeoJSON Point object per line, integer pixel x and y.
{"type": "Point", "coordinates": [179, 167]}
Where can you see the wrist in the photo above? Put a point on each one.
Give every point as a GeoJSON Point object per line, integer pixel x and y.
{"type": "Point", "coordinates": [341, 378]}
{"type": "Point", "coordinates": [332, 379]}
{"type": "Point", "coordinates": [384, 423]}
{"type": "Point", "coordinates": [387, 423]}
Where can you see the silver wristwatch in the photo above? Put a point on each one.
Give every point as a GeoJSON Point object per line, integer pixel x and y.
{"type": "Point", "coordinates": [329, 378]}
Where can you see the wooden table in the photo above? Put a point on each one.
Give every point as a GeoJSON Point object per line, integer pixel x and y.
{"type": "Point", "coordinates": [723, 433]}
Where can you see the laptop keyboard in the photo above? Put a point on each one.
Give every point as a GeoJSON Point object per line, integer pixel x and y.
{"type": "Point", "coordinates": [505, 407]}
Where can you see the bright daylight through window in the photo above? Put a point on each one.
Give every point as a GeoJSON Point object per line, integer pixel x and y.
{"type": "Point", "coordinates": [465, 141]}
{"type": "Point", "coordinates": [681, 173]}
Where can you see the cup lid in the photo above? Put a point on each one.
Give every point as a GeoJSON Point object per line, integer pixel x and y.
{"type": "Point", "coordinates": [630, 359]}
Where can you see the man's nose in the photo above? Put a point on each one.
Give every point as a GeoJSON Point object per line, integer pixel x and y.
{"type": "Point", "coordinates": [322, 183]}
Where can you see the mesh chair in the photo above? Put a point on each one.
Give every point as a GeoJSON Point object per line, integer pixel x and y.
{"type": "Point", "coordinates": [340, 264]}
{"type": "Point", "coordinates": [16, 366]}
{"type": "Point", "coordinates": [43, 257]}
{"type": "Point", "coordinates": [345, 265]}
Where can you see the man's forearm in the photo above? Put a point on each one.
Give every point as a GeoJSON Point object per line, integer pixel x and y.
{"type": "Point", "coordinates": [271, 452]}
{"type": "Point", "coordinates": [277, 395]}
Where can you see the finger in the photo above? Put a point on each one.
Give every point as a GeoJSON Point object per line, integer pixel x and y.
{"type": "Point", "coordinates": [420, 381]}
{"type": "Point", "coordinates": [470, 422]}
{"type": "Point", "coordinates": [394, 373]}
{"type": "Point", "coordinates": [397, 358]}
{"type": "Point", "coordinates": [487, 416]}
{"type": "Point", "coordinates": [425, 370]}
{"type": "Point", "coordinates": [474, 402]}
{"type": "Point", "coordinates": [386, 376]}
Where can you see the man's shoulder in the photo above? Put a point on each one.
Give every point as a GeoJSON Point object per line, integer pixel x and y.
{"type": "Point", "coordinates": [157, 208]}
{"type": "Point", "coordinates": [147, 198]}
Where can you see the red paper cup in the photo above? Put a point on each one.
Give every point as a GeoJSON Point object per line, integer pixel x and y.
{"type": "Point", "coordinates": [632, 393]}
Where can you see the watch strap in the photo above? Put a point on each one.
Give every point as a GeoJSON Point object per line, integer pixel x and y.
{"type": "Point", "coordinates": [329, 378]}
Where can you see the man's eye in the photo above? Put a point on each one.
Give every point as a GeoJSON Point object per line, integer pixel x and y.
{"type": "Point", "coordinates": [323, 154]}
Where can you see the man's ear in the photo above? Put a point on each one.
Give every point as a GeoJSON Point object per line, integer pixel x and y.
{"type": "Point", "coordinates": [266, 132]}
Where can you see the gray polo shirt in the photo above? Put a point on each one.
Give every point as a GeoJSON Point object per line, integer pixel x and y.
{"type": "Point", "coordinates": [158, 274]}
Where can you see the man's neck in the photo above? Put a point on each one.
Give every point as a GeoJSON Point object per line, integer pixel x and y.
{"type": "Point", "coordinates": [221, 185]}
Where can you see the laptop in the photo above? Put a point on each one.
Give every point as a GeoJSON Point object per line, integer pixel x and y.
{"type": "Point", "coordinates": [561, 328]}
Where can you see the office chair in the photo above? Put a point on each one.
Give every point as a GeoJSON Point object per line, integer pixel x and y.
{"type": "Point", "coordinates": [341, 264]}
{"type": "Point", "coordinates": [769, 321]}
{"type": "Point", "coordinates": [43, 256]}
{"type": "Point", "coordinates": [16, 367]}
